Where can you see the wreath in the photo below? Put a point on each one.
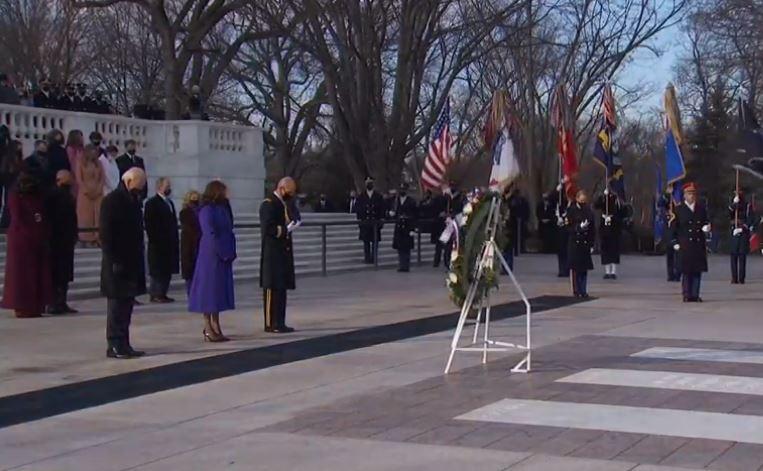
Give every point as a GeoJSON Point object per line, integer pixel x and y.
{"type": "Point", "coordinates": [463, 258]}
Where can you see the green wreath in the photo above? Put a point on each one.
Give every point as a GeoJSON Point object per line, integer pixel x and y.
{"type": "Point", "coordinates": [463, 261]}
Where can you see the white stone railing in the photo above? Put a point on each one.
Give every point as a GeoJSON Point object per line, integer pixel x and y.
{"type": "Point", "coordinates": [189, 152]}
{"type": "Point", "coordinates": [29, 124]}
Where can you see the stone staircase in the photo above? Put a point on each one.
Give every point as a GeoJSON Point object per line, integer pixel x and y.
{"type": "Point", "coordinates": [344, 253]}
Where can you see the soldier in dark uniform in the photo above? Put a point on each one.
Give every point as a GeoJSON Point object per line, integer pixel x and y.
{"type": "Point", "coordinates": [277, 259]}
{"type": "Point", "coordinates": [44, 97]}
{"type": "Point", "coordinates": [451, 204]}
{"type": "Point", "coordinates": [560, 203]}
{"type": "Point", "coordinates": [370, 207]}
{"type": "Point", "coordinates": [672, 262]}
{"type": "Point", "coordinates": [66, 102]}
{"type": "Point", "coordinates": [742, 223]}
{"type": "Point", "coordinates": [610, 230]}
{"type": "Point", "coordinates": [690, 226]}
{"type": "Point", "coordinates": [581, 225]}
{"type": "Point", "coordinates": [405, 212]}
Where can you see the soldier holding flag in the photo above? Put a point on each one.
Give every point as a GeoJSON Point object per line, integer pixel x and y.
{"type": "Point", "coordinates": [742, 223]}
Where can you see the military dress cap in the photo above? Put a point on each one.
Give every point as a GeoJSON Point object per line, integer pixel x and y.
{"type": "Point", "coordinates": [690, 187]}
{"type": "Point", "coordinates": [404, 186]}
{"type": "Point", "coordinates": [369, 179]}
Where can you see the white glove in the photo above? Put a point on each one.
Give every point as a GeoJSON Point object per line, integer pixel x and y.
{"type": "Point", "coordinates": [737, 231]}
{"type": "Point", "coordinates": [391, 214]}
{"type": "Point", "coordinates": [560, 221]}
{"type": "Point", "coordinates": [412, 233]}
{"type": "Point", "coordinates": [736, 199]}
{"type": "Point", "coordinates": [591, 249]}
{"type": "Point", "coordinates": [607, 220]}
{"type": "Point", "coordinates": [559, 187]}
{"type": "Point", "coordinates": [293, 225]}
{"type": "Point", "coordinates": [606, 191]}
{"type": "Point", "coordinates": [676, 247]}
{"type": "Point", "coordinates": [584, 224]}
{"type": "Point", "coordinates": [706, 228]}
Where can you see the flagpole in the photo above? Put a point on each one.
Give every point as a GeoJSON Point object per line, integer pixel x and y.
{"type": "Point", "coordinates": [736, 206]}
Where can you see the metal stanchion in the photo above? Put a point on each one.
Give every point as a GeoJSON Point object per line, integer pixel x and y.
{"type": "Point", "coordinates": [418, 245]}
{"type": "Point", "coordinates": [324, 249]}
{"type": "Point", "coordinates": [375, 248]}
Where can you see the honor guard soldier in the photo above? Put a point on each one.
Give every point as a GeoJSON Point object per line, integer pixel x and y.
{"type": "Point", "coordinates": [277, 259]}
{"type": "Point", "coordinates": [691, 223]}
{"type": "Point", "coordinates": [671, 256]}
{"type": "Point", "coordinates": [370, 209]}
{"type": "Point", "coordinates": [405, 213]}
{"type": "Point", "coordinates": [451, 203]}
{"type": "Point", "coordinates": [581, 226]}
{"type": "Point", "coordinates": [610, 230]}
{"type": "Point", "coordinates": [559, 201]}
{"type": "Point", "coordinates": [742, 222]}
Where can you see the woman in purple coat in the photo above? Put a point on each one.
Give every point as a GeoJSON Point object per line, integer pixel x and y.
{"type": "Point", "coordinates": [212, 285]}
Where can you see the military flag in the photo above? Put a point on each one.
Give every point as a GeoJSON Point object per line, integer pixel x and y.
{"type": "Point", "coordinates": [675, 170]}
{"type": "Point", "coordinates": [498, 136]}
{"type": "Point", "coordinates": [605, 148]}
{"type": "Point", "coordinates": [565, 141]}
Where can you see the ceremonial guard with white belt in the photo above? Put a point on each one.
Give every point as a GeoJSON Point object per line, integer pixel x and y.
{"type": "Point", "coordinates": [404, 213]}
{"type": "Point", "coordinates": [610, 231]}
{"type": "Point", "coordinates": [581, 225]}
{"type": "Point", "coordinates": [742, 226]}
{"type": "Point", "coordinates": [370, 208]}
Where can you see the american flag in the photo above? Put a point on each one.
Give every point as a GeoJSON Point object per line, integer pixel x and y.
{"type": "Point", "coordinates": [436, 163]}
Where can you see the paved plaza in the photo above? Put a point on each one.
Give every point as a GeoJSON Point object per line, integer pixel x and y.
{"type": "Point", "coordinates": [632, 379]}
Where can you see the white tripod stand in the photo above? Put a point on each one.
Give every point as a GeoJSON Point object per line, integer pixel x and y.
{"type": "Point", "coordinates": [485, 262]}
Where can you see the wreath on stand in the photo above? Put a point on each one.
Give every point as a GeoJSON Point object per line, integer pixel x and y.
{"type": "Point", "coordinates": [468, 248]}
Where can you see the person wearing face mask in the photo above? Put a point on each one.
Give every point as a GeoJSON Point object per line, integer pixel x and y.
{"type": "Point", "coordinates": [405, 212]}
{"type": "Point", "coordinates": [690, 225]}
{"type": "Point", "coordinates": [90, 178]}
{"type": "Point", "coordinates": [163, 250]}
{"type": "Point", "coordinates": [123, 275]}
{"type": "Point", "coordinates": [27, 287]}
{"type": "Point", "coordinates": [44, 97]}
{"type": "Point", "coordinates": [38, 165]}
{"type": "Point", "coordinates": [130, 159]}
{"type": "Point", "coordinates": [324, 205]}
{"type": "Point", "coordinates": [581, 225]}
{"type": "Point", "coordinates": [190, 235]}
{"type": "Point", "coordinates": [370, 207]}
{"type": "Point", "coordinates": [57, 156]}
{"type": "Point", "coordinates": [62, 217]}
{"type": "Point", "coordinates": [277, 257]}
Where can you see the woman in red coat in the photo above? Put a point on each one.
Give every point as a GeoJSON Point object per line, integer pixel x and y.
{"type": "Point", "coordinates": [28, 288]}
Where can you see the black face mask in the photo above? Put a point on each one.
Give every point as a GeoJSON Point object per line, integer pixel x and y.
{"type": "Point", "coordinates": [136, 193]}
{"type": "Point", "coordinates": [168, 192]}
{"type": "Point", "coordinates": [97, 143]}
{"type": "Point", "coordinates": [131, 152]}
{"type": "Point", "coordinates": [369, 186]}
{"type": "Point", "coordinates": [402, 194]}
{"type": "Point", "coordinates": [453, 190]}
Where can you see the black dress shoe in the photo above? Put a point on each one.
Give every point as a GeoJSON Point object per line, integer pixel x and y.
{"type": "Point", "coordinates": [287, 329]}
{"type": "Point", "coordinates": [269, 330]}
{"type": "Point", "coordinates": [168, 299]}
{"type": "Point", "coordinates": [614, 277]}
{"type": "Point", "coordinates": [70, 310]}
{"type": "Point", "coordinates": [135, 353]}
{"type": "Point", "coordinates": [120, 354]}
{"type": "Point", "coordinates": [56, 311]}
{"type": "Point", "coordinates": [697, 300]}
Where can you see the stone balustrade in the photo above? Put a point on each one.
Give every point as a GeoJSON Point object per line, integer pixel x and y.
{"type": "Point", "coordinates": [189, 152]}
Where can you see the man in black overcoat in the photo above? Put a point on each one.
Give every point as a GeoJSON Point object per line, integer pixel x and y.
{"type": "Point", "coordinates": [123, 275]}
{"type": "Point", "coordinates": [450, 204]}
{"type": "Point", "coordinates": [743, 222]}
{"type": "Point", "coordinates": [277, 222]}
{"type": "Point", "coordinates": [130, 159]}
{"type": "Point", "coordinates": [691, 224]}
{"type": "Point", "coordinates": [545, 212]}
{"type": "Point", "coordinates": [163, 245]}
{"type": "Point", "coordinates": [610, 231]}
{"type": "Point", "coordinates": [62, 217]}
{"type": "Point", "coordinates": [370, 208]}
{"type": "Point", "coordinates": [405, 212]}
